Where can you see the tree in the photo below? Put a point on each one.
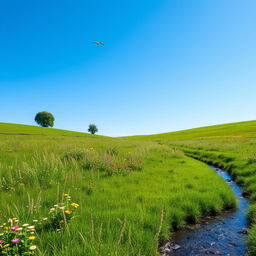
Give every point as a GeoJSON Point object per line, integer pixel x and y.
{"type": "Point", "coordinates": [45, 119]}
{"type": "Point", "coordinates": [92, 128]}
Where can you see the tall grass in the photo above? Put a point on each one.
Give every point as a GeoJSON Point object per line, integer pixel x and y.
{"type": "Point", "coordinates": [132, 195]}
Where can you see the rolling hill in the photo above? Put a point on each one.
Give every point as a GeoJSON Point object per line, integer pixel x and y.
{"type": "Point", "coordinates": [21, 129]}
{"type": "Point", "coordinates": [231, 130]}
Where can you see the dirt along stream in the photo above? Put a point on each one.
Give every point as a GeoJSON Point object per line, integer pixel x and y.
{"type": "Point", "coordinates": [221, 235]}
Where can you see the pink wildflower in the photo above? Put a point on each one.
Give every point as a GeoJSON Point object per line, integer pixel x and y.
{"type": "Point", "coordinates": [15, 240]}
{"type": "Point", "coordinates": [15, 228]}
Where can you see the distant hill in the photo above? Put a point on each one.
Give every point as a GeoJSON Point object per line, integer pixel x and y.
{"type": "Point", "coordinates": [21, 129]}
{"type": "Point", "coordinates": [231, 130]}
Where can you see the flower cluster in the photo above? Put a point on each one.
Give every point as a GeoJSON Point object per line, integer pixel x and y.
{"type": "Point", "coordinates": [17, 239]}
{"type": "Point", "coordinates": [60, 215]}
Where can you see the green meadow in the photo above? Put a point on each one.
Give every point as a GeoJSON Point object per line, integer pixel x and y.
{"type": "Point", "coordinates": [228, 131]}
{"type": "Point", "coordinates": [231, 147]}
{"type": "Point", "coordinates": [132, 194]}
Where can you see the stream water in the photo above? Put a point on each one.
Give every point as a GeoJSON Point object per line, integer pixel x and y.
{"type": "Point", "coordinates": [221, 235]}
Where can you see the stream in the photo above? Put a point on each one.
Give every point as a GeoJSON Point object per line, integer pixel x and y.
{"type": "Point", "coordinates": [221, 235]}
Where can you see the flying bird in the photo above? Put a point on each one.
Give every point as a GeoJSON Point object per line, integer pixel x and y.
{"type": "Point", "coordinates": [98, 43]}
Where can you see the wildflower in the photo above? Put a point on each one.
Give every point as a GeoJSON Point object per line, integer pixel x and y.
{"type": "Point", "coordinates": [52, 209]}
{"type": "Point", "coordinates": [14, 228]}
{"type": "Point", "coordinates": [31, 237]}
{"type": "Point", "coordinates": [68, 212]}
{"type": "Point", "coordinates": [14, 218]}
{"type": "Point", "coordinates": [25, 225]}
{"type": "Point", "coordinates": [62, 208]}
{"type": "Point", "coordinates": [31, 227]}
{"type": "Point", "coordinates": [35, 220]}
{"type": "Point", "coordinates": [62, 221]}
{"type": "Point", "coordinates": [1, 234]}
{"type": "Point", "coordinates": [1, 241]}
{"type": "Point", "coordinates": [56, 205]}
{"type": "Point", "coordinates": [32, 247]}
{"type": "Point", "coordinates": [19, 229]}
{"type": "Point", "coordinates": [75, 205]}
{"type": "Point", "coordinates": [44, 218]}
{"type": "Point", "coordinates": [66, 195]}
{"type": "Point", "coordinates": [6, 245]}
{"type": "Point", "coordinates": [16, 240]}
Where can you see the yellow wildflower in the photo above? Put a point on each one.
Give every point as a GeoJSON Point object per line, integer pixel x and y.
{"type": "Point", "coordinates": [31, 237]}
{"type": "Point", "coordinates": [68, 211]}
{"type": "Point", "coordinates": [75, 205]}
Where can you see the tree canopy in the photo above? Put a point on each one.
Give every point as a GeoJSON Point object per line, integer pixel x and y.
{"type": "Point", "coordinates": [92, 128]}
{"type": "Point", "coordinates": [45, 119]}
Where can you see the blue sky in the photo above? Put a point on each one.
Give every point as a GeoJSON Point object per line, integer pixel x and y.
{"type": "Point", "coordinates": [166, 65]}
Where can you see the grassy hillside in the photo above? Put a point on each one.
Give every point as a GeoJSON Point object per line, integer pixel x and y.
{"type": "Point", "coordinates": [232, 130]}
{"type": "Point", "coordinates": [132, 194]}
{"type": "Point", "coordinates": [229, 146]}
{"type": "Point", "coordinates": [21, 129]}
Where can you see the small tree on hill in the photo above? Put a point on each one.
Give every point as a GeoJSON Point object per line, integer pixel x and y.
{"type": "Point", "coordinates": [92, 128]}
{"type": "Point", "coordinates": [44, 119]}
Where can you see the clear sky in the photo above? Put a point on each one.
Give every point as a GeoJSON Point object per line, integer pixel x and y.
{"type": "Point", "coordinates": [166, 64]}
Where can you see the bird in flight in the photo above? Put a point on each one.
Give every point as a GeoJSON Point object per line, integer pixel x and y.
{"type": "Point", "coordinates": [98, 43]}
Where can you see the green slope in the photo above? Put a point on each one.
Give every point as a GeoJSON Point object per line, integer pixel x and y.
{"type": "Point", "coordinates": [231, 130]}
{"type": "Point", "coordinates": [20, 129]}
{"type": "Point", "coordinates": [131, 193]}
{"type": "Point", "coordinates": [123, 186]}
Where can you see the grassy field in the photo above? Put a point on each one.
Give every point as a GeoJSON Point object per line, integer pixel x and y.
{"type": "Point", "coordinates": [229, 131]}
{"type": "Point", "coordinates": [231, 146]}
{"type": "Point", "coordinates": [22, 129]}
{"type": "Point", "coordinates": [132, 194]}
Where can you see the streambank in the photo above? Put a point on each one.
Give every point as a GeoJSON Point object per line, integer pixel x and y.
{"type": "Point", "coordinates": [221, 235]}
